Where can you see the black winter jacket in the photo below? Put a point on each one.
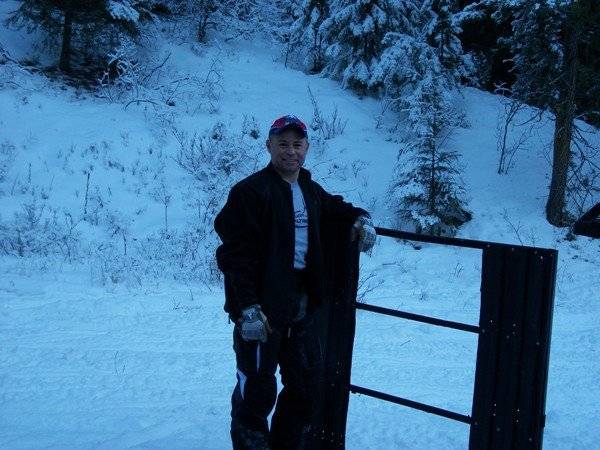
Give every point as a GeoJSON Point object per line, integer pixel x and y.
{"type": "Point", "coordinates": [256, 226]}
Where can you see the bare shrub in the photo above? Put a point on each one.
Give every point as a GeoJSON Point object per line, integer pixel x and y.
{"type": "Point", "coordinates": [327, 126]}
{"type": "Point", "coordinates": [203, 12]}
{"type": "Point", "coordinates": [508, 137]}
{"type": "Point", "coordinates": [12, 72]}
{"type": "Point", "coordinates": [134, 79]}
{"type": "Point", "coordinates": [39, 230]}
{"type": "Point", "coordinates": [7, 157]}
{"type": "Point", "coordinates": [212, 156]}
{"type": "Point", "coordinates": [109, 266]}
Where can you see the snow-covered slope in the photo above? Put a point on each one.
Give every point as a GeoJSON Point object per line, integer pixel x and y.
{"type": "Point", "coordinates": [85, 362]}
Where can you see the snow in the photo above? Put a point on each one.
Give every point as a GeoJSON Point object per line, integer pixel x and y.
{"type": "Point", "coordinates": [122, 10]}
{"type": "Point", "coordinates": [83, 367]}
{"type": "Point", "coordinates": [148, 363]}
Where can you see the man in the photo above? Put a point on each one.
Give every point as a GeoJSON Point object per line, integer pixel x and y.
{"type": "Point", "coordinates": [272, 260]}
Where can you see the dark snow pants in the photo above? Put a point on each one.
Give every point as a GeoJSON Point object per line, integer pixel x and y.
{"type": "Point", "coordinates": [297, 350]}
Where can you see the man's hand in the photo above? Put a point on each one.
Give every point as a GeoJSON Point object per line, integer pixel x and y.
{"type": "Point", "coordinates": [254, 325]}
{"type": "Point", "coordinates": [365, 231]}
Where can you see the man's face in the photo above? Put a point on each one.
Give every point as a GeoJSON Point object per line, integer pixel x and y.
{"type": "Point", "coordinates": [288, 151]}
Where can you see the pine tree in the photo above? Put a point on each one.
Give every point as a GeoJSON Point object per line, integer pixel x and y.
{"type": "Point", "coordinates": [418, 78]}
{"type": "Point", "coordinates": [354, 33]}
{"type": "Point", "coordinates": [485, 25]}
{"type": "Point", "coordinates": [71, 24]}
{"type": "Point", "coordinates": [428, 193]}
{"type": "Point", "coordinates": [306, 35]}
{"type": "Point", "coordinates": [445, 38]}
{"type": "Point", "coordinates": [538, 51]}
{"type": "Point", "coordinates": [548, 38]}
{"type": "Point", "coordinates": [581, 27]}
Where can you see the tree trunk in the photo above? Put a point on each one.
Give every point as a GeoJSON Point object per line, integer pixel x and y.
{"type": "Point", "coordinates": [563, 129]}
{"type": "Point", "coordinates": [65, 51]}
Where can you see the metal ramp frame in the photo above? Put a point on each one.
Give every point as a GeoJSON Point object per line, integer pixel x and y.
{"type": "Point", "coordinates": [514, 331]}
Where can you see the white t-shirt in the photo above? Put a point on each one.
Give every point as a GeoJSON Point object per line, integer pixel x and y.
{"type": "Point", "coordinates": [301, 227]}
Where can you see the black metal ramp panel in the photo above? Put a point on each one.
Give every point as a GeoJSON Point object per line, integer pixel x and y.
{"type": "Point", "coordinates": [338, 318]}
{"type": "Point", "coordinates": [517, 295]}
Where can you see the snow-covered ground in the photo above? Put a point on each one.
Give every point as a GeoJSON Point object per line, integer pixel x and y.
{"type": "Point", "coordinates": [148, 363]}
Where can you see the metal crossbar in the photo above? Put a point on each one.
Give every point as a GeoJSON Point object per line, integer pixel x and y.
{"type": "Point", "coordinates": [411, 404]}
{"type": "Point", "coordinates": [403, 401]}
{"type": "Point", "coordinates": [455, 242]}
{"type": "Point", "coordinates": [418, 318]}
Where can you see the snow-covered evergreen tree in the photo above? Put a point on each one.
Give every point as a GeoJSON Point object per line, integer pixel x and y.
{"type": "Point", "coordinates": [551, 72]}
{"type": "Point", "coordinates": [354, 33]}
{"type": "Point", "coordinates": [484, 24]}
{"type": "Point", "coordinates": [82, 28]}
{"type": "Point", "coordinates": [426, 33]}
{"type": "Point", "coordinates": [428, 191]}
{"type": "Point", "coordinates": [236, 18]}
{"type": "Point", "coordinates": [445, 38]}
{"type": "Point", "coordinates": [418, 79]}
{"type": "Point", "coordinates": [306, 37]}
{"type": "Point", "coordinates": [536, 44]}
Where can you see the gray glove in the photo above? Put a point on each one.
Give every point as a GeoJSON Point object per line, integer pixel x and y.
{"type": "Point", "coordinates": [366, 233]}
{"type": "Point", "coordinates": [254, 325]}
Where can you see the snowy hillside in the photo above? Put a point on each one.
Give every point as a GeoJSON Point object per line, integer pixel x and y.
{"type": "Point", "coordinates": [113, 334]}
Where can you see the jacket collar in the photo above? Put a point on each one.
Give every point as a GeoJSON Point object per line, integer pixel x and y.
{"type": "Point", "coordinates": [303, 177]}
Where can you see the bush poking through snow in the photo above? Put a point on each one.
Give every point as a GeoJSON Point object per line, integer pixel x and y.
{"type": "Point", "coordinates": [7, 157]}
{"type": "Point", "coordinates": [506, 128]}
{"type": "Point", "coordinates": [39, 230]}
{"type": "Point", "coordinates": [109, 237]}
{"type": "Point", "coordinates": [135, 79]}
{"type": "Point", "coordinates": [214, 156]}
{"type": "Point", "coordinates": [327, 127]}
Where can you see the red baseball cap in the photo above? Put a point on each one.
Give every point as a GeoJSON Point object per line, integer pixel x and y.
{"type": "Point", "coordinates": [287, 122]}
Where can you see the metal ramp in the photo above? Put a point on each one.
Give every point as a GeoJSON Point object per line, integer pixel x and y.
{"type": "Point", "coordinates": [511, 375]}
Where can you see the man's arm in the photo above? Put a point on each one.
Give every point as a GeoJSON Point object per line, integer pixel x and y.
{"type": "Point", "coordinates": [334, 207]}
{"type": "Point", "coordinates": [238, 256]}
